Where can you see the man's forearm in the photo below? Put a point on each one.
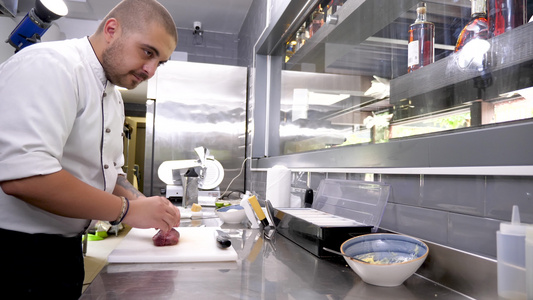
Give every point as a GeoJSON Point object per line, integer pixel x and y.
{"type": "Point", "coordinates": [63, 194]}
{"type": "Point", "coordinates": [126, 189]}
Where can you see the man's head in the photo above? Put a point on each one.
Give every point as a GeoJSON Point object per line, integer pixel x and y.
{"type": "Point", "coordinates": [133, 39]}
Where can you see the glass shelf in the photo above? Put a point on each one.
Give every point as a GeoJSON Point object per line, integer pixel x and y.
{"type": "Point", "coordinates": [348, 83]}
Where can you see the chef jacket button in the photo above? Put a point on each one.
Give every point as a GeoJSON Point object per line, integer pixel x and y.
{"type": "Point", "coordinates": [114, 164]}
{"type": "Point", "coordinates": [107, 130]}
{"type": "Point", "coordinates": [122, 134]}
{"type": "Point", "coordinates": [106, 167]}
{"type": "Point", "coordinates": [105, 94]}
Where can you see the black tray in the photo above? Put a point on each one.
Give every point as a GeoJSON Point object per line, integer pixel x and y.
{"type": "Point", "coordinates": [314, 237]}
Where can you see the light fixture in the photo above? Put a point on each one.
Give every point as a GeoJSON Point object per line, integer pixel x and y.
{"type": "Point", "coordinates": [36, 22]}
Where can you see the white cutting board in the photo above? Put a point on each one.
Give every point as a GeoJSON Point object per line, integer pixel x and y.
{"type": "Point", "coordinates": [196, 244]}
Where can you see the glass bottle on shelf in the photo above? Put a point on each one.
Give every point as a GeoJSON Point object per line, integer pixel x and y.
{"type": "Point", "coordinates": [300, 38]}
{"type": "Point", "coordinates": [317, 20]}
{"type": "Point", "coordinates": [504, 15]}
{"type": "Point", "coordinates": [477, 28]}
{"type": "Point", "coordinates": [420, 50]}
{"type": "Point", "coordinates": [333, 6]}
{"type": "Point", "coordinates": [291, 49]}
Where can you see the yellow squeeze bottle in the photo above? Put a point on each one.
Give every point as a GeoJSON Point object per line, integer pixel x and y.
{"type": "Point", "coordinates": [258, 210]}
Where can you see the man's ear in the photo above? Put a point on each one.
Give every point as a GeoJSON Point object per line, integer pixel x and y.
{"type": "Point", "coordinates": [111, 29]}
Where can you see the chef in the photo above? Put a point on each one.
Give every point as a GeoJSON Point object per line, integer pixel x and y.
{"type": "Point", "coordinates": [61, 125]}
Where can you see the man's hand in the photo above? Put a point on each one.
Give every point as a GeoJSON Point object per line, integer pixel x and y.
{"type": "Point", "coordinates": [152, 212]}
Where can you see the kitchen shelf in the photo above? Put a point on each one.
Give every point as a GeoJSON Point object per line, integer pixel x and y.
{"type": "Point", "coordinates": [338, 40]}
{"type": "Point", "coordinates": [510, 67]}
{"type": "Point", "coordinates": [367, 41]}
{"type": "Point", "coordinates": [362, 44]}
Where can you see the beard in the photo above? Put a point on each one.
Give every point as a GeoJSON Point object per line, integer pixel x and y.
{"type": "Point", "coordinates": [112, 62]}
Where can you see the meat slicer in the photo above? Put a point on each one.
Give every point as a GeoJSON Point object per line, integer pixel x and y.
{"type": "Point", "coordinates": [210, 174]}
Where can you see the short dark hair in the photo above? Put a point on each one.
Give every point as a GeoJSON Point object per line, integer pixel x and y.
{"type": "Point", "coordinates": [134, 15]}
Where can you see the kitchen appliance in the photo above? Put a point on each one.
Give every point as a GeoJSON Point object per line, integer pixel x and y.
{"type": "Point", "coordinates": [342, 209]}
{"type": "Point", "coordinates": [190, 105]}
{"type": "Point", "coordinates": [210, 174]}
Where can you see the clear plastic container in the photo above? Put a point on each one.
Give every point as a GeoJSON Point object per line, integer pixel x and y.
{"type": "Point", "coordinates": [341, 210]}
{"type": "Point", "coordinates": [361, 201]}
{"type": "Point", "coordinates": [511, 254]}
{"type": "Point", "coordinates": [529, 262]}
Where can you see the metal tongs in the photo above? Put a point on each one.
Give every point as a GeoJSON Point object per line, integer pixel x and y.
{"type": "Point", "coordinates": [342, 254]}
{"type": "Point", "coordinates": [270, 230]}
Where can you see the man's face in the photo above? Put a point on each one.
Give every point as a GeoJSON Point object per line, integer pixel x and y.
{"type": "Point", "coordinates": [132, 58]}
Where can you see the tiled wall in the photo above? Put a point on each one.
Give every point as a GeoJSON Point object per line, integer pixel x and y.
{"type": "Point", "coordinates": [216, 48]}
{"type": "Point", "coordinates": [251, 29]}
{"type": "Point", "coordinates": [462, 212]}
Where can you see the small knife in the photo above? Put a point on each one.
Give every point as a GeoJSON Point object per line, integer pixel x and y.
{"type": "Point", "coordinates": [222, 239]}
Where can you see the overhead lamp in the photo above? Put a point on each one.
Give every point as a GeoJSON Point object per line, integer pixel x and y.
{"type": "Point", "coordinates": [36, 22]}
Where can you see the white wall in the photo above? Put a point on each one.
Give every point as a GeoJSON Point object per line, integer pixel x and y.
{"type": "Point", "coordinates": [76, 28]}
{"type": "Point", "coordinates": [6, 27]}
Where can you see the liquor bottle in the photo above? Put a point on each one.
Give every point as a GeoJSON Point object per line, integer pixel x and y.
{"type": "Point", "coordinates": [317, 20]}
{"type": "Point", "coordinates": [504, 15]}
{"type": "Point", "coordinates": [333, 6]}
{"type": "Point", "coordinates": [477, 27]}
{"type": "Point", "coordinates": [300, 38]}
{"type": "Point", "coordinates": [420, 50]}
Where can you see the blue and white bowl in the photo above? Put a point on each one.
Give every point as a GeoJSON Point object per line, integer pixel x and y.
{"type": "Point", "coordinates": [388, 259]}
{"type": "Point", "coordinates": [233, 214]}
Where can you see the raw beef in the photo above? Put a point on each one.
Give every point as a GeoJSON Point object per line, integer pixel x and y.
{"type": "Point", "coordinates": [166, 239]}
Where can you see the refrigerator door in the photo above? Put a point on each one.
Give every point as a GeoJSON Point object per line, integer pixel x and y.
{"type": "Point", "coordinates": [196, 105]}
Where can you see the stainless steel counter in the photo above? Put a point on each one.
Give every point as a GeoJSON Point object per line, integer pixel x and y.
{"type": "Point", "coordinates": [265, 269]}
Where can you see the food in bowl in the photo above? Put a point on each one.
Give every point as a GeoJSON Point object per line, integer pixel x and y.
{"type": "Point", "coordinates": [387, 259]}
{"type": "Point", "coordinates": [220, 204]}
{"type": "Point", "coordinates": [233, 214]}
{"type": "Point", "coordinates": [383, 258]}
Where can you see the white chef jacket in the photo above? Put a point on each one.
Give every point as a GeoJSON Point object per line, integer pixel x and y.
{"type": "Point", "coordinates": [57, 111]}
